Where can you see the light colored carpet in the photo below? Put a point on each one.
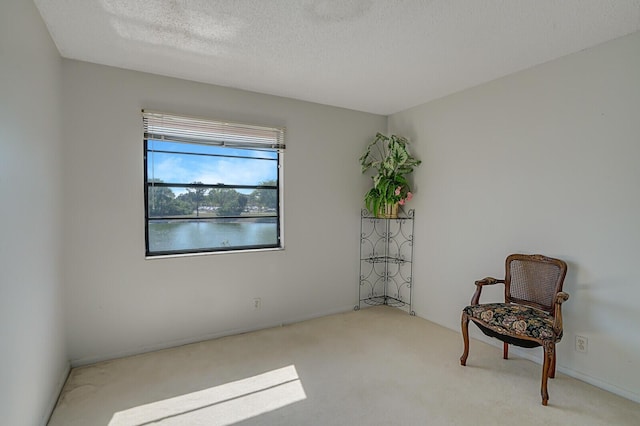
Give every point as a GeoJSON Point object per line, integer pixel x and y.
{"type": "Point", "coordinates": [377, 366]}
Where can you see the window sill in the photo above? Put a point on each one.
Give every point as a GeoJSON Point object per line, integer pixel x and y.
{"type": "Point", "coordinates": [210, 253]}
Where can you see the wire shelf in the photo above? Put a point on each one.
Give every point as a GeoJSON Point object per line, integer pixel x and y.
{"type": "Point", "coordinates": [386, 260]}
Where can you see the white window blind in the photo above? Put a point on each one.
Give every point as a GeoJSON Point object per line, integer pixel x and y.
{"type": "Point", "coordinates": [175, 128]}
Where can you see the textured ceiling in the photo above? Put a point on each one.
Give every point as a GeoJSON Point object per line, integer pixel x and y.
{"type": "Point", "coordinates": [379, 56]}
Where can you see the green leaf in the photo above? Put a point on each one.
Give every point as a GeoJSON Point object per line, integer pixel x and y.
{"type": "Point", "coordinates": [390, 157]}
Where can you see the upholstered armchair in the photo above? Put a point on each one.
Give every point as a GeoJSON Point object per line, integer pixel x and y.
{"type": "Point", "coordinates": [531, 314]}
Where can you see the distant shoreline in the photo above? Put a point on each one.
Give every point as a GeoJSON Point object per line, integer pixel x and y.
{"type": "Point", "coordinates": [217, 219]}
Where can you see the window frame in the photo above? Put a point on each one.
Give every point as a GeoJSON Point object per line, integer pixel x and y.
{"type": "Point", "coordinates": [278, 187]}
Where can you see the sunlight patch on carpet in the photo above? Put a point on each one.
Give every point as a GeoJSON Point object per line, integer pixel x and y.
{"type": "Point", "coordinates": [220, 405]}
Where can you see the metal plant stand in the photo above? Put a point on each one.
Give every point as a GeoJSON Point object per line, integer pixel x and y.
{"type": "Point", "coordinates": [386, 261]}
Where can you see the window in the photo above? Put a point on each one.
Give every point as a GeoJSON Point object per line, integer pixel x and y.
{"type": "Point", "coordinates": [210, 186]}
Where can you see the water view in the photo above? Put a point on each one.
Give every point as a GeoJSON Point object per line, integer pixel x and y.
{"type": "Point", "coordinates": [203, 197]}
{"type": "Point", "coordinates": [187, 235]}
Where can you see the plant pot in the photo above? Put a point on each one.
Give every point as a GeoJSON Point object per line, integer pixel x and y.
{"type": "Point", "coordinates": [388, 211]}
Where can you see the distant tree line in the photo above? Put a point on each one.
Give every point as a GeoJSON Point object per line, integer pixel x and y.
{"type": "Point", "coordinates": [214, 201]}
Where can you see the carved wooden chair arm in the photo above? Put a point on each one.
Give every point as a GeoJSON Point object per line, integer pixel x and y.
{"type": "Point", "coordinates": [488, 281]}
{"type": "Point", "coordinates": [561, 297]}
{"type": "Point", "coordinates": [485, 281]}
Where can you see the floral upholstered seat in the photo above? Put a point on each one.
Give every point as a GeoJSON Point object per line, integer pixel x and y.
{"type": "Point", "coordinates": [513, 319]}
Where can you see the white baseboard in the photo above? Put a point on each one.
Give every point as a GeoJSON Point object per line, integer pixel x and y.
{"type": "Point", "coordinates": [609, 387]}
{"type": "Point", "coordinates": [529, 355]}
{"type": "Point", "coordinates": [536, 357]}
{"type": "Point", "coordinates": [181, 342]}
{"type": "Point", "coordinates": [56, 395]}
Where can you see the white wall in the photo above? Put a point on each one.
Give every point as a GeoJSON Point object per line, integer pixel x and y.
{"type": "Point", "coordinates": [118, 302]}
{"type": "Point", "coordinates": [542, 161]}
{"type": "Point", "coordinates": [33, 359]}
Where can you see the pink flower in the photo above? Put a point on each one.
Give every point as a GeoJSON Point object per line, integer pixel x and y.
{"type": "Point", "coordinates": [401, 202]}
{"type": "Point", "coordinates": [409, 196]}
{"type": "Point", "coordinates": [398, 190]}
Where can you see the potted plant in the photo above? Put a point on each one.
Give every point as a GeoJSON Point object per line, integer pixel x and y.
{"type": "Point", "coordinates": [389, 157]}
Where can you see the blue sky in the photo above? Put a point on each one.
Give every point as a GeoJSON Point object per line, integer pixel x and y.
{"type": "Point", "coordinates": [187, 168]}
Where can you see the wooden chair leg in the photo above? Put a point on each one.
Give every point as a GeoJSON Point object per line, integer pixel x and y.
{"type": "Point", "coordinates": [505, 350]}
{"type": "Point", "coordinates": [549, 354]}
{"type": "Point", "coordinates": [552, 367]}
{"type": "Point", "coordinates": [465, 338]}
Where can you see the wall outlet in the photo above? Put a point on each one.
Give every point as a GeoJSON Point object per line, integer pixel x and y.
{"type": "Point", "coordinates": [582, 344]}
{"type": "Point", "coordinates": [257, 303]}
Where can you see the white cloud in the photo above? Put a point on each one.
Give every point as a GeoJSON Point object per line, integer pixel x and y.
{"type": "Point", "coordinates": [227, 171]}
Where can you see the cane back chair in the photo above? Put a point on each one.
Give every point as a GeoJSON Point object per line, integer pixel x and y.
{"type": "Point", "coordinates": [531, 314]}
